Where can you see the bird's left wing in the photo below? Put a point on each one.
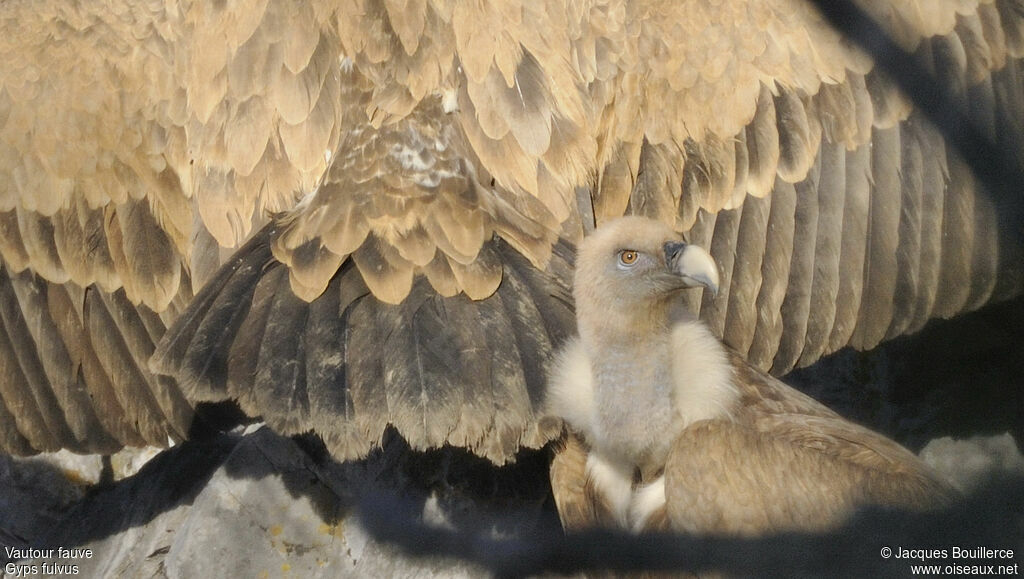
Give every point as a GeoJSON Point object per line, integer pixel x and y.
{"type": "Point", "coordinates": [789, 473]}
{"type": "Point", "coordinates": [784, 462]}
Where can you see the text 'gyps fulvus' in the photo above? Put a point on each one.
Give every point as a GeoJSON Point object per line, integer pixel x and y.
{"type": "Point", "coordinates": [406, 179]}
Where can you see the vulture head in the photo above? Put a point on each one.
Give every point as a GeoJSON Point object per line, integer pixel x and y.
{"type": "Point", "coordinates": [615, 383]}
{"type": "Point", "coordinates": [635, 265]}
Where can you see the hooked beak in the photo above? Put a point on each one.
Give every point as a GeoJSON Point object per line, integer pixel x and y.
{"type": "Point", "coordinates": [693, 264]}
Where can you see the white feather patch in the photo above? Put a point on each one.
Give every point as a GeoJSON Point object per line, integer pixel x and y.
{"type": "Point", "coordinates": [613, 481]}
{"type": "Point", "coordinates": [646, 501]}
{"type": "Point", "coordinates": [571, 388]}
{"type": "Point", "coordinates": [450, 100]}
{"type": "Point", "coordinates": [702, 374]}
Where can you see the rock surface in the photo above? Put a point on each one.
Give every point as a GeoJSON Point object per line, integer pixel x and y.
{"type": "Point", "coordinates": [256, 504]}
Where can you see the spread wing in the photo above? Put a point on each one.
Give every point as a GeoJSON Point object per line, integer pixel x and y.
{"type": "Point", "coordinates": [441, 369]}
{"type": "Point", "coordinates": [419, 165]}
{"type": "Point", "coordinates": [73, 372]}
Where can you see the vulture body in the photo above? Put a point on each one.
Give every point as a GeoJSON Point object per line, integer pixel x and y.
{"type": "Point", "coordinates": [356, 215]}
{"type": "Point", "coordinates": [669, 430]}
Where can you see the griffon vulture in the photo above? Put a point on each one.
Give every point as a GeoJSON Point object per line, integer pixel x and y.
{"type": "Point", "coordinates": [671, 430]}
{"type": "Point", "coordinates": [404, 182]}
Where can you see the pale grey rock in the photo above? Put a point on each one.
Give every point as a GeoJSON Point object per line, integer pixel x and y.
{"type": "Point", "coordinates": [130, 460]}
{"type": "Point", "coordinates": [971, 462]}
{"type": "Point", "coordinates": [257, 505]}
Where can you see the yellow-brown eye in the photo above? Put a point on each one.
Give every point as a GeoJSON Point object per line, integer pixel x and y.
{"type": "Point", "coordinates": [628, 256]}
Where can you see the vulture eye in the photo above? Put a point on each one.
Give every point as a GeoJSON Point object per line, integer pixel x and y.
{"type": "Point", "coordinates": [628, 256]}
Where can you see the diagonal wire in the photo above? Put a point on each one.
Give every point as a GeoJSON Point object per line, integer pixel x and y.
{"type": "Point", "coordinates": [998, 168]}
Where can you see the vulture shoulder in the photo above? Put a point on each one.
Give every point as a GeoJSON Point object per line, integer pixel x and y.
{"type": "Point", "coordinates": [787, 463]}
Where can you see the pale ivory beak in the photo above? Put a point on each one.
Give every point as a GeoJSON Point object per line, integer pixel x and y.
{"type": "Point", "coordinates": [693, 263]}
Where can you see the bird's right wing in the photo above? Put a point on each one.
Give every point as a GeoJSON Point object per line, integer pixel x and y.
{"type": "Point", "coordinates": [74, 373]}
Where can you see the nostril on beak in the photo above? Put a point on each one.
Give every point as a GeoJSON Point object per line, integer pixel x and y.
{"type": "Point", "coordinates": [672, 250]}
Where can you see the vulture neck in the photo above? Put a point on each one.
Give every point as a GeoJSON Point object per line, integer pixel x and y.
{"type": "Point", "coordinates": [655, 371]}
{"type": "Point", "coordinates": [602, 326]}
{"type": "Point", "coordinates": [634, 420]}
